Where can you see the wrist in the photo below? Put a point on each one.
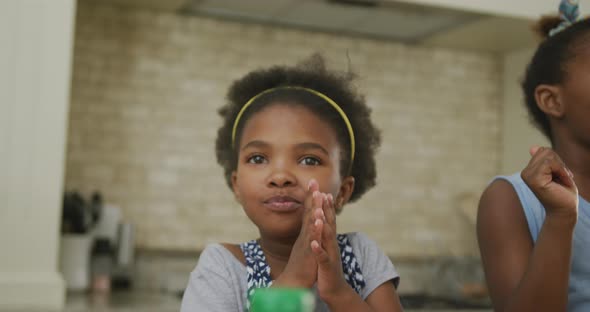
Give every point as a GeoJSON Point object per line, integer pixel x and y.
{"type": "Point", "coordinates": [561, 220]}
{"type": "Point", "coordinates": [339, 296]}
{"type": "Point", "coordinates": [287, 280]}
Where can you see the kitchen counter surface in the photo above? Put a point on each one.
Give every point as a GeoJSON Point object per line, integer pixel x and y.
{"type": "Point", "coordinates": [145, 301]}
{"type": "Point", "coordinates": [136, 301]}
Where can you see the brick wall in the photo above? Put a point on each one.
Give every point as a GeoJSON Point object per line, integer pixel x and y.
{"type": "Point", "coordinates": [146, 87]}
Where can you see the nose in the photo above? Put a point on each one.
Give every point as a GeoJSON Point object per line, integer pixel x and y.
{"type": "Point", "coordinates": [281, 176]}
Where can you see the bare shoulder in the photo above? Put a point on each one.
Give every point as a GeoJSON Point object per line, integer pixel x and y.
{"type": "Point", "coordinates": [501, 217]}
{"type": "Point", "coordinates": [499, 205]}
{"type": "Point", "coordinates": [504, 239]}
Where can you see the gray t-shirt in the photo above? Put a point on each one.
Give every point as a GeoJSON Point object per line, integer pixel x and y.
{"type": "Point", "coordinates": [219, 282]}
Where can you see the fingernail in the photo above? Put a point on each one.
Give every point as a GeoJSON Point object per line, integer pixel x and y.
{"type": "Point", "coordinates": [311, 183]}
{"type": "Point", "coordinates": [318, 222]}
{"type": "Point", "coordinates": [319, 212]}
{"type": "Point", "coordinates": [315, 244]}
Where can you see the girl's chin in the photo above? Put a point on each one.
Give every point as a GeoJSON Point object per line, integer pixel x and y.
{"type": "Point", "coordinates": [282, 234]}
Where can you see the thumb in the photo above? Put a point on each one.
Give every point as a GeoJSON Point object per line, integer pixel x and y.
{"type": "Point", "coordinates": [313, 186]}
{"type": "Point", "coordinates": [533, 150]}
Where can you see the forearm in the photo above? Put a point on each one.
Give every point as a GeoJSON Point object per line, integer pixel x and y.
{"type": "Point", "coordinates": [287, 280]}
{"type": "Point", "coordinates": [289, 283]}
{"type": "Point", "coordinates": [349, 300]}
{"type": "Point", "coordinates": [544, 286]}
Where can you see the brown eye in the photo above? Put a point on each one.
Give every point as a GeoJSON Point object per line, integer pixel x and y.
{"type": "Point", "coordinates": [256, 159]}
{"type": "Point", "coordinates": [310, 161]}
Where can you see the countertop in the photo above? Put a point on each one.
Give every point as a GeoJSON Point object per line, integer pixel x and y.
{"type": "Point", "coordinates": [135, 301]}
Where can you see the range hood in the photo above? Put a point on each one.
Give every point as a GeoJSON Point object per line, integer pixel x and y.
{"type": "Point", "coordinates": [396, 21]}
{"type": "Point", "coordinates": [400, 21]}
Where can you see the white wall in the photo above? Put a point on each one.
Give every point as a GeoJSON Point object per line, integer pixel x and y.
{"type": "Point", "coordinates": [522, 8]}
{"type": "Point", "coordinates": [517, 132]}
{"type": "Point", "coordinates": [35, 57]}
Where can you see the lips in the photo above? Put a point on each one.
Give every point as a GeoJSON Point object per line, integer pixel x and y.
{"type": "Point", "coordinates": [282, 204]}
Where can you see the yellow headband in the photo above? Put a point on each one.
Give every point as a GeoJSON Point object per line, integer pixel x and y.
{"type": "Point", "coordinates": [321, 95]}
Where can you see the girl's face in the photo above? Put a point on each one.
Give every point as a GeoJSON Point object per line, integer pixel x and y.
{"type": "Point", "coordinates": [576, 92]}
{"type": "Point", "coordinates": [282, 148]}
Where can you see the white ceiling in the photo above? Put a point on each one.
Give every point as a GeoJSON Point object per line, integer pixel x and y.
{"type": "Point", "coordinates": [388, 20]}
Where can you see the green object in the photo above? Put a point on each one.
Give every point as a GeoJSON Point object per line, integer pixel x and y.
{"type": "Point", "coordinates": [282, 300]}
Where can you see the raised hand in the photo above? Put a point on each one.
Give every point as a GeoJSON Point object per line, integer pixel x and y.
{"type": "Point", "coordinates": [301, 269]}
{"type": "Point", "coordinates": [330, 278]}
{"type": "Point", "coordinates": [552, 182]}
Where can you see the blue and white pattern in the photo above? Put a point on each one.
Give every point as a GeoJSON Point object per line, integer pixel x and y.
{"type": "Point", "coordinates": [257, 268]}
{"type": "Point", "coordinates": [350, 266]}
{"type": "Point", "coordinates": [259, 271]}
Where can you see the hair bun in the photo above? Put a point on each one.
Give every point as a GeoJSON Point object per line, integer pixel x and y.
{"type": "Point", "coordinates": [546, 24]}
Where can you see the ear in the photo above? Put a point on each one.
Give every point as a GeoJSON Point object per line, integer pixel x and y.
{"type": "Point", "coordinates": [550, 100]}
{"type": "Point", "coordinates": [234, 185]}
{"type": "Point", "coordinates": [346, 189]}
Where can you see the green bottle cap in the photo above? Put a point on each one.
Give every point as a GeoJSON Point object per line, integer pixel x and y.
{"type": "Point", "coordinates": [282, 300]}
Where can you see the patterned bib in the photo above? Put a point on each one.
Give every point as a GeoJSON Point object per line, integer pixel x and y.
{"type": "Point", "coordinates": [259, 271]}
